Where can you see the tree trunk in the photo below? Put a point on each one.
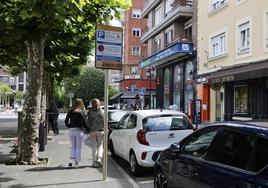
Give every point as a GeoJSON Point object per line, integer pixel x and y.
{"type": "Point", "coordinates": [28, 133]}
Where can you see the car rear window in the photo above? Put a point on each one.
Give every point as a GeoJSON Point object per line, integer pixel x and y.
{"type": "Point", "coordinates": [165, 123]}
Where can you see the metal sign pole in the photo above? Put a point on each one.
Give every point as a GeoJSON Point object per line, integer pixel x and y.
{"type": "Point", "coordinates": [106, 89]}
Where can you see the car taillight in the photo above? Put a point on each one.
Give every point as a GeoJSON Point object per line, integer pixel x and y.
{"type": "Point", "coordinates": [141, 137]}
{"type": "Point", "coordinates": [143, 155]}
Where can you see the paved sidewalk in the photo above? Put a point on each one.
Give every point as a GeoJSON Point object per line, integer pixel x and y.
{"type": "Point", "coordinates": [56, 173]}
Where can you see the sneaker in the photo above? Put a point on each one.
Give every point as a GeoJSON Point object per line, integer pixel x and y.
{"type": "Point", "coordinates": [99, 164]}
{"type": "Point", "coordinates": [70, 164]}
{"type": "Point", "coordinates": [76, 165]}
{"type": "Point", "coordinates": [95, 164]}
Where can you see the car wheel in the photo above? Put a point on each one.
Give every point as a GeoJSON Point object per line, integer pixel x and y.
{"type": "Point", "coordinates": [134, 166]}
{"type": "Point", "coordinates": [112, 150]}
{"type": "Point", "coordinates": [160, 179]}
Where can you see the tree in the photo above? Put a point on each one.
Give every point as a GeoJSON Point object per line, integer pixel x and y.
{"type": "Point", "coordinates": [27, 29]}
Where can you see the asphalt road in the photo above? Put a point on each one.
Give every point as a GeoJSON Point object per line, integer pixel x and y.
{"type": "Point", "coordinates": [8, 128]}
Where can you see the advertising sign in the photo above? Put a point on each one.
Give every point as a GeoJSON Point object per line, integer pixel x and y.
{"type": "Point", "coordinates": [109, 42]}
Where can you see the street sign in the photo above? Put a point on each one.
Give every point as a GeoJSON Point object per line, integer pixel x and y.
{"type": "Point", "coordinates": [141, 92]}
{"type": "Point", "coordinates": [109, 42]}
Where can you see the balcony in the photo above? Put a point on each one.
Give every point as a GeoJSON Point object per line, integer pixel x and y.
{"type": "Point", "coordinates": [181, 9]}
{"type": "Point", "coordinates": [148, 6]}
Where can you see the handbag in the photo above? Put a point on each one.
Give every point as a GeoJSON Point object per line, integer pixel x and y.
{"type": "Point", "coordinates": [86, 140]}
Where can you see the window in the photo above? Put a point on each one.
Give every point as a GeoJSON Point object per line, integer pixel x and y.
{"type": "Point", "coordinates": [241, 99]}
{"type": "Point", "coordinates": [217, 4]}
{"type": "Point", "coordinates": [266, 30]}
{"type": "Point", "coordinates": [158, 16]}
{"type": "Point", "coordinates": [136, 13]}
{"type": "Point", "coordinates": [136, 32]}
{"type": "Point", "coordinates": [198, 143]}
{"type": "Point", "coordinates": [21, 87]}
{"type": "Point", "coordinates": [244, 38]}
{"type": "Point", "coordinates": [132, 122]}
{"type": "Point", "coordinates": [188, 32]}
{"type": "Point", "coordinates": [166, 123]}
{"type": "Point", "coordinates": [168, 6]}
{"type": "Point", "coordinates": [169, 37]}
{"type": "Point", "coordinates": [134, 70]}
{"type": "Point", "coordinates": [232, 148]}
{"type": "Point", "coordinates": [218, 45]}
{"type": "Point", "coordinates": [135, 50]}
{"type": "Point", "coordinates": [21, 77]}
{"type": "Point", "coordinates": [157, 43]}
{"type": "Point", "coordinates": [123, 122]}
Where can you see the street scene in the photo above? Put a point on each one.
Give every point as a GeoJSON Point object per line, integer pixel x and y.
{"type": "Point", "coordinates": [134, 93]}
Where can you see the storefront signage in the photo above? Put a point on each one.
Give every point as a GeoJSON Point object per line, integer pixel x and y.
{"type": "Point", "coordinates": [109, 41]}
{"type": "Point", "coordinates": [175, 48]}
{"type": "Point", "coordinates": [222, 79]}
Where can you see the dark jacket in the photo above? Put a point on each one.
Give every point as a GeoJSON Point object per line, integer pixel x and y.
{"type": "Point", "coordinates": [95, 120]}
{"type": "Point", "coordinates": [76, 119]}
{"type": "Point", "coordinates": [53, 111]}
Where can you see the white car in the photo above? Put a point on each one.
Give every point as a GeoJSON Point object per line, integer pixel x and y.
{"type": "Point", "coordinates": [140, 135]}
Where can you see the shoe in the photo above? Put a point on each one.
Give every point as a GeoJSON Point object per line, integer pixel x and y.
{"type": "Point", "coordinates": [70, 164]}
{"type": "Point", "coordinates": [76, 165]}
{"type": "Point", "coordinates": [99, 164]}
{"type": "Point", "coordinates": [95, 164]}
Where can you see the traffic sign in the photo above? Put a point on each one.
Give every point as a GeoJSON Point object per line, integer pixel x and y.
{"type": "Point", "coordinates": [141, 92]}
{"type": "Point", "coordinates": [109, 42]}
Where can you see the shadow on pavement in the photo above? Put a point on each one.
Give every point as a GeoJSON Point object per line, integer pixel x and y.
{"type": "Point", "coordinates": [42, 168]}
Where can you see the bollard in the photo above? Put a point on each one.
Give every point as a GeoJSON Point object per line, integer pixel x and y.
{"type": "Point", "coordinates": [42, 128]}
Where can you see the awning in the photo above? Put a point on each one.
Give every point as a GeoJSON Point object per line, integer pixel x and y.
{"type": "Point", "coordinates": [240, 72]}
{"type": "Point", "coordinates": [116, 96]}
{"type": "Point", "coordinates": [130, 95]}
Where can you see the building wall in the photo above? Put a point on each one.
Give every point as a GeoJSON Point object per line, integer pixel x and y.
{"type": "Point", "coordinates": [227, 18]}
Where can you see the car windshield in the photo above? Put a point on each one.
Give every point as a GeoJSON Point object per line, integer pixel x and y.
{"type": "Point", "coordinates": [165, 123]}
{"type": "Point", "coordinates": [116, 115]}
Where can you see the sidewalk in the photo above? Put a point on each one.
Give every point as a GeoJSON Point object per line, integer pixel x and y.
{"type": "Point", "coordinates": [56, 173]}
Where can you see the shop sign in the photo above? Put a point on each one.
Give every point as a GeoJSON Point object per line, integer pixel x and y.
{"type": "Point", "coordinates": [222, 79]}
{"type": "Point", "coordinates": [175, 48]}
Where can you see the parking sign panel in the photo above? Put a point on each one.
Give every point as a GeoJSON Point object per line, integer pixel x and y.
{"type": "Point", "coordinates": [109, 41]}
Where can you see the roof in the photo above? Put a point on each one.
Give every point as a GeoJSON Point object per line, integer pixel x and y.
{"type": "Point", "coordinates": [146, 113]}
{"type": "Point", "coordinates": [130, 95]}
{"type": "Point", "coordinates": [248, 127]}
{"type": "Point", "coordinates": [116, 96]}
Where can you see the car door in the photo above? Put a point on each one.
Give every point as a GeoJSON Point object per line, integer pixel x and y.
{"type": "Point", "coordinates": [118, 133]}
{"type": "Point", "coordinates": [128, 136]}
{"type": "Point", "coordinates": [230, 160]}
{"type": "Point", "coordinates": [187, 165]}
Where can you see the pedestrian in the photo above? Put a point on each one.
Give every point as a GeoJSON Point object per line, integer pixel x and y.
{"type": "Point", "coordinates": [136, 107]}
{"type": "Point", "coordinates": [76, 122]}
{"type": "Point", "coordinates": [96, 127]}
{"type": "Point", "coordinates": [53, 115]}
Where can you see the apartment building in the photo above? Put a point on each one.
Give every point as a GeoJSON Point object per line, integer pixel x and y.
{"type": "Point", "coordinates": [170, 38]}
{"type": "Point", "coordinates": [233, 58]}
{"type": "Point", "coordinates": [135, 84]}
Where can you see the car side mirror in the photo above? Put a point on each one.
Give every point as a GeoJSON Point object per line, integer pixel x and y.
{"type": "Point", "coordinates": [175, 146]}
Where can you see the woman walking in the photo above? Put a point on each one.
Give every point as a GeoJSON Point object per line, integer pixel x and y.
{"type": "Point", "coordinates": [76, 122]}
{"type": "Point", "coordinates": [96, 125]}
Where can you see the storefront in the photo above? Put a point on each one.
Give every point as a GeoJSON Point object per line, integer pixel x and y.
{"type": "Point", "coordinates": [245, 90]}
{"type": "Point", "coordinates": [174, 75]}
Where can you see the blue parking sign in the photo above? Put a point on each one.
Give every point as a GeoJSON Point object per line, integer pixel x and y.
{"type": "Point", "coordinates": [101, 34]}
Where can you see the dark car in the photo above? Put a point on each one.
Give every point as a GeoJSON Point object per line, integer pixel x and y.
{"type": "Point", "coordinates": [220, 155]}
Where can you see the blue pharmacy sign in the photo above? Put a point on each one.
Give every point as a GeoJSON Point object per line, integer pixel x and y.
{"type": "Point", "coordinates": [178, 47]}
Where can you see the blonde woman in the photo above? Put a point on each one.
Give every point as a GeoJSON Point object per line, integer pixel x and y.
{"type": "Point", "coordinates": [96, 126]}
{"type": "Point", "coordinates": [76, 122]}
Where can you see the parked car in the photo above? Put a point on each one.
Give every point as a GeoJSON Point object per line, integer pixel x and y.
{"type": "Point", "coordinates": [114, 117]}
{"type": "Point", "coordinates": [140, 135]}
{"type": "Point", "coordinates": [221, 155]}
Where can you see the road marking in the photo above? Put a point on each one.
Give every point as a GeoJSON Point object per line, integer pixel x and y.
{"type": "Point", "coordinates": [126, 176]}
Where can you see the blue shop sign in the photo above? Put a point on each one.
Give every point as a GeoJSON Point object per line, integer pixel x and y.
{"type": "Point", "coordinates": [178, 47]}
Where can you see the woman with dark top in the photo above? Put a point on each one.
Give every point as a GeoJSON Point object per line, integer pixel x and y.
{"type": "Point", "coordinates": [96, 126]}
{"type": "Point", "coordinates": [76, 122]}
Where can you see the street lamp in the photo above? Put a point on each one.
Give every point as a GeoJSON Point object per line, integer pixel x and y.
{"type": "Point", "coordinates": [149, 74]}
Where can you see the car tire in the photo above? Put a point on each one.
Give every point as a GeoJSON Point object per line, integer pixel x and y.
{"type": "Point", "coordinates": [135, 168]}
{"type": "Point", "coordinates": [112, 150]}
{"type": "Point", "coordinates": [160, 179]}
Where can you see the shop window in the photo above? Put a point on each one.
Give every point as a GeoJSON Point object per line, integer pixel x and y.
{"type": "Point", "coordinates": [177, 77]}
{"type": "Point", "coordinates": [241, 99]}
{"type": "Point", "coordinates": [166, 88]}
{"type": "Point", "coordinates": [189, 89]}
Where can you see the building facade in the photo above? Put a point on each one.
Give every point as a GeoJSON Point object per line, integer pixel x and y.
{"type": "Point", "coordinates": [133, 79]}
{"type": "Point", "coordinates": [233, 58]}
{"type": "Point", "coordinates": [170, 38]}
